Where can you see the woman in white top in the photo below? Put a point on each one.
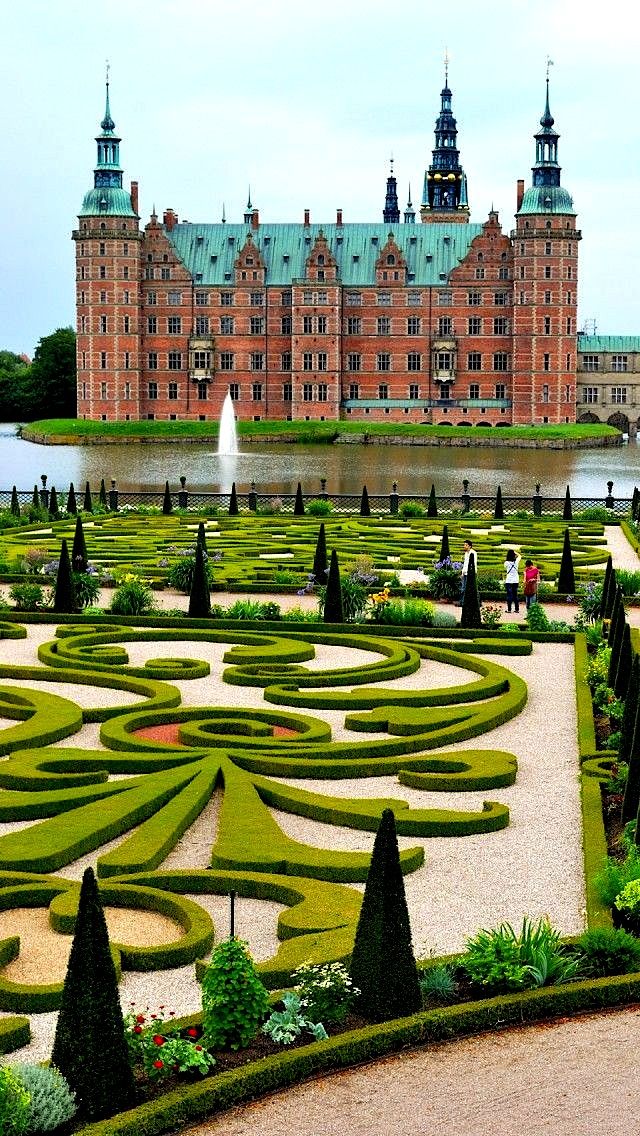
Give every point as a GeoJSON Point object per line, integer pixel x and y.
{"type": "Point", "coordinates": [512, 579]}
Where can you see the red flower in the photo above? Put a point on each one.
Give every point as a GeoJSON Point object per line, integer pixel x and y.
{"type": "Point", "coordinates": [140, 1018]}
{"type": "Point", "coordinates": [153, 1017]}
{"type": "Point", "coordinates": [192, 1032]}
{"type": "Point", "coordinates": [137, 1029]}
{"type": "Point", "coordinates": [158, 1064]}
{"type": "Point", "coordinates": [198, 1049]}
{"type": "Point", "coordinates": [161, 1007]}
{"type": "Point", "coordinates": [158, 1039]}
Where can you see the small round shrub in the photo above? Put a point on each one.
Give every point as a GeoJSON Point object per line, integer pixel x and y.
{"type": "Point", "coordinates": [14, 1103]}
{"type": "Point", "coordinates": [132, 597]}
{"type": "Point", "coordinates": [52, 1102]}
{"type": "Point", "coordinates": [318, 507]}
{"type": "Point", "coordinates": [27, 597]}
{"type": "Point", "coordinates": [609, 950]}
{"type": "Point", "coordinates": [438, 983]}
{"type": "Point", "coordinates": [410, 509]}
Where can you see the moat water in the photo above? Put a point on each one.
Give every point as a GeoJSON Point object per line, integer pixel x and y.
{"type": "Point", "coordinates": [278, 468]}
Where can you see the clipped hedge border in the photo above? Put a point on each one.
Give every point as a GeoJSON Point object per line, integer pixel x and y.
{"type": "Point", "coordinates": [224, 1090]}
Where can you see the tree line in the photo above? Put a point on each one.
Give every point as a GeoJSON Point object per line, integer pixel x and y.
{"type": "Point", "coordinates": [45, 388]}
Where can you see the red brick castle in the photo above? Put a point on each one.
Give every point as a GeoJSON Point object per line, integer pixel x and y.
{"type": "Point", "coordinates": [439, 320]}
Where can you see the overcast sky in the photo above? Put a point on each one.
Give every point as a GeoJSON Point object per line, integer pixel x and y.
{"type": "Point", "coordinates": [306, 101]}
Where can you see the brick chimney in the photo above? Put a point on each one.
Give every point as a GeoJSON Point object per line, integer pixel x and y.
{"type": "Point", "coordinates": [255, 219]}
{"type": "Point", "coordinates": [519, 194]}
{"type": "Point", "coordinates": [169, 220]}
{"type": "Point", "coordinates": [339, 217]}
{"type": "Point", "coordinates": [306, 218]}
{"type": "Point", "coordinates": [134, 196]}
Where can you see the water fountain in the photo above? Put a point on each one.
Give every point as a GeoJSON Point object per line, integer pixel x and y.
{"type": "Point", "coordinates": [227, 432]}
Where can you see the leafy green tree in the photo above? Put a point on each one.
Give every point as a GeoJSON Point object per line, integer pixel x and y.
{"type": "Point", "coordinates": [234, 1001]}
{"type": "Point", "coordinates": [52, 379]}
{"type": "Point", "coordinates": [383, 966]}
{"type": "Point", "coordinates": [15, 394]}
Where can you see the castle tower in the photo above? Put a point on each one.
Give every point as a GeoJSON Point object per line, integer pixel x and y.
{"type": "Point", "coordinates": [409, 213]}
{"type": "Point", "coordinates": [391, 211]}
{"type": "Point", "coordinates": [545, 252]}
{"type": "Point", "coordinates": [108, 243]}
{"type": "Point", "coordinates": [444, 196]}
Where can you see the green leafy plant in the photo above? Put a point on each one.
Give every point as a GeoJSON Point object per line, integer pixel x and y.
{"type": "Point", "coordinates": [234, 1001]}
{"type": "Point", "coordinates": [14, 1103]}
{"type": "Point", "coordinates": [409, 509]}
{"type": "Point", "coordinates": [444, 579]}
{"type": "Point", "coordinates": [609, 950]}
{"type": "Point", "coordinates": [86, 588]}
{"type": "Point", "coordinates": [34, 559]}
{"type": "Point", "coordinates": [133, 596]}
{"type": "Point", "coordinates": [410, 611]}
{"type": "Point", "coordinates": [180, 574]}
{"type": "Point", "coordinates": [617, 777]}
{"type": "Point", "coordinates": [537, 619]}
{"type": "Point", "coordinates": [285, 576]}
{"type": "Point", "coordinates": [597, 670]}
{"type": "Point", "coordinates": [446, 619]}
{"type": "Point", "coordinates": [491, 615]}
{"type": "Point", "coordinates": [489, 582]}
{"type": "Point", "coordinates": [253, 609]}
{"type": "Point", "coordinates": [628, 901]}
{"type": "Point", "coordinates": [628, 580]}
{"type": "Point", "coordinates": [51, 1102]}
{"type": "Point", "coordinates": [611, 880]}
{"type": "Point", "coordinates": [319, 507]}
{"type": "Point", "coordinates": [28, 597]}
{"type": "Point", "coordinates": [594, 513]}
{"type": "Point", "coordinates": [510, 960]}
{"type": "Point", "coordinates": [156, 1046]}
{"type": "Point", "coordinates": [438, 983]}
{"type": "Point", "coordinates": [325, 990]}
{"type": "Point", "coordinates": [284, 1026]}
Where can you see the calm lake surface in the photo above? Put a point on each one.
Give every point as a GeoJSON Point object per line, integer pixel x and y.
{"type": "Point", "coordinates": [346, 467]}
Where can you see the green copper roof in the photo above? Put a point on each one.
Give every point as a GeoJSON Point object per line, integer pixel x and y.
{"type": "Point", "coordinates": [107, 201]}
{"type": "Point", "coordinates": [547, 199]}
{"type": "Point", "coordinates": [431, 251]}
{"type": "Point", "coordinates": [591, 344]}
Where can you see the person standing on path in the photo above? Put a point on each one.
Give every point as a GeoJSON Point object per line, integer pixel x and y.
{"type": "Point", "coordinates": [531, 581]}
{"type": "Point", "coordinates": [512, 579]}
{"type": "Point", "coordinates": [469, 552]}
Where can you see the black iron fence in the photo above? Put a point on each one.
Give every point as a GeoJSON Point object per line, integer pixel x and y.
{"type": "Point", "coordinates": [464, 503]}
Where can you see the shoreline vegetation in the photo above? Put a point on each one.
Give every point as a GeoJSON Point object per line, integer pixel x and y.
{"type": "Point", "coordinates": [71, 431]}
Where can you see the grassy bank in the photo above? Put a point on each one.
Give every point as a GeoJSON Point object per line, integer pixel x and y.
{"type": "Point", "coordinates": [76, 430]}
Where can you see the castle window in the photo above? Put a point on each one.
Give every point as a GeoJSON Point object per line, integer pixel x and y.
{"type": "Point", "coordinates": [285, 325]}
{"type": "Point", "coordinates": [590, 394]}
{"type": "Point", "coordinates": [126, 298]}
{"type": "Point", "coordinates": [547, 325]}
{"type": "Point", "coordinates": [173, 391]}
{"type": "Point", "coordinates": [256, 299]}
{"type": "Point", "coordinates": [125, 249]}
{"type": "Point", "coordinates": [383, 390]}
{"type": "Point", "coordinates": [354, 299]}
{"type": "Point", "coordinates": [150, 272]}
{"type": "Point", "coordinates": [500, 361]}
{"type": "Point", "coordinates": [307, 361]}
{"type": "Point", "coordinates": [203, 391]}
{"type": "Point", "coordinates": [202, 325]}
{"type": "Point", "coordinates": [547, 271]}
{"type": "Point", "coordinates": [249, 260]}
{"type": "Point", "coordinates": [321, 274]}
{"type": "Point", "coordinates": [323, 392]}
{"type": "Point", "coordinates": [174, 325]}
{"type": "Point", "coordinates": [322, 360]}
{"type": "Point", "coordinates": [256, 325]}
{"type": "Point", "coordinates": [413, 325]}
{"type": "Point", "coordinates": [174, 298]}
{"type": "Point", "coordinates": [320, 259]}
{"type": "Point", "coordinates": [548, 225]}
{"type": "Point", "coordinates": [165, 273]}
{"type": "Point", "coordinates": [322, 325]}
{"type": "Point", "coordinates": [103, 360]}
{"type": "Point", "coordinates": [480, 258]}
{"type": "Point", "coordinates": [619, 363]}
{"type": "Point", "coordinates": [354, 390]}
{"type": "Point", "coordinates": [226, 360]}
{"type": "Point", "coordinates": [414, 361]}
{"type": "Point", "coordinates": [474, 325]}
{"type": "Point", "coordinates": [287, 390]}
{"type": "Point", "coordinates": [286, 299]}
{"type": "Point", "coordinates": [256, 361]}
{"type": "Point", "coordinates": [285, 362]}
{"type": "Point", "coordinates": [547, 297]}
{"type": "Point", "coordinates": [391, 260]}
{"type": "Point", "coordinates": [83, 323]}
{"type": "Point", "coordinates": [414, 390]}
{"type": "Point", "coordinates": [152, 324]}
{"type": "Point", "coordinates": [445, 325]}
{"type": "Point", "coordinates": [153, 390]}
{"type": "Point", "coordinates": [500, 326]}
{"type": "Point", "coordinates": [384, 299]}
{"type": "Point", "coordinates": [103, 324]}
{"type": "Point", "coordinates": [307, 392]}
{"type": "Point", "coordinates": [545, 392]}
{"type": "Point", "coordinates": [307, 297]}
{"type": "Point", "coordinates": [590, 362]}
{"type": "Point", "coordinates": [500, 299]}
{"type": "Point", "coordinates": [354, 325]}
{"type": "Point", "coordinates": [125, 273]}
{"type": "Point", "coordinates": [175, 359]}
{"type": "Point", "coordinates": [126, 392]}
{"type": "Point", "coordinates": [202, 299]}
{"type": "Point", "coordinates": [227, 324]}
{"type": "Point", "coordinates": [307, 325]}
{"type": "Point", "coordinates": [126, 324]}
{"type": "Point", "coordinates": [445, 299]}
{"type": "Point", "coordinates": [102, 250]}
{"type": "Point", "coordinates": [474, 299]}
{"type": "Point", "coordinates": [501, 390]}
{"type": "Point", "coordinates": [256, 392]}
{"type": "Point", "coordinates": [102, 225]}
{"type": "Point", "coordinates": [503, 273]}
{"type": "Point", "coordinates": [165, 257]}
{"type": "Point", "coordinates": [103, 272]}
{"type": "Point", "coordinates": [479, 273]}
{"type": "Point", "coordinates": [414, 299]}
{"type": "Point", "coordinates": [546, 362]}
{"type": "Point", "coordinates": [152, 361]}
{"type": "Point", "coordinates": [474, 362]}
{"type": "Point", "coordinates": [567, 394]}
{"type": "Point", "coordinates": [384, 325]}
{"type": "Point", "coordinates": [547, 248]}
{"type": "Point", "coordinates": [354, 363]}
{"type": "Point", "coordinates": [474, 390]}
{"type": "Point", "coordinates": [383, 362]}
{"type": "Point", "coordinates": [234, 391]}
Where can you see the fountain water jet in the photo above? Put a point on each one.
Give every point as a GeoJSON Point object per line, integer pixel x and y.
{"type": "Point", "coordinates": [227, 432]}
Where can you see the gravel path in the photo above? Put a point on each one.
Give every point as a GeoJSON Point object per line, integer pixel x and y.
{"type": "Point", "coordinates": [571, 1078]}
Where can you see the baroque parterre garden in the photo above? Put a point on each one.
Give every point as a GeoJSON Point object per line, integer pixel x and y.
{"type": "Point", "coordinates": [242, 844]}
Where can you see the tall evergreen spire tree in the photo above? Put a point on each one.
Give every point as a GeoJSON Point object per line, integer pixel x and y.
{"type": "Point", "coordinates": [432, 507]}
{"type": "Point", "coordinates": [630, 747]}
{"type": "Point", "coordinates": [54, 511]}
{"type": "Point", "coordinates": [498, 511]}
{"type": "Point", "coordinates": [90, 1047]}
{"type": "Point", "coordinates": [606, 584]}
{"type": "Point", "coordinates": [383, 966]}
{"type": "Point", "coordinates": [365, 508]}
{"type": "Point", "coordinates": [320, 562]}
{"type": "Point", "coordinates": [103, 494]}
{"type": "Point", "coordinates": [199, 597]}
{"type": "Point", "coordinates": [79, 558]}
{"type": "Point", "coordinates": [35, 499]}
{"type": "Point", "coordinates": [616, 637]}
{"type": "Point", "coordinates": [64, 600]}
{"type": "Point", "coordinates": [87, 504]}
{"type": "Point", "coordinates": [298, 508]}
{"type": "Point", "coordinates": [333, 611]}
{"type": "Point", "coordinates": [233, 502]}
{"type": "Point", "coordinates": [623, 669]}
{"type": "Point", "coordinates": [567, 512]}
{"type": "Point", "coordinates": [566, 577]}
{"type": "Point", "coordinates": [72, 504]}
{"type": "Point", "coordinates": [617, 613]}
{"type": "Point", "coordinates": [15, 503]}
{"type": "Point", "coordinates": [445, 553]}
{"type": "Point", "coordinates": [201, 538]}
{"type": "Point", "coordinates": [470, 614]}
{"type": "Point", "coordinates": [167, 503]}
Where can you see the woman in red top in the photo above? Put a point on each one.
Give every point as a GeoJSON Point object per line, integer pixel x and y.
{"type": "Point", "coordinates": [531, 581]}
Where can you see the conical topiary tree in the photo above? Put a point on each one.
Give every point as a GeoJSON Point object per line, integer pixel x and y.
{"type": "Point", "coordinates": [616, 637]}
{"type": "Point", "coordinates": [103, 494]}
{"type": "Point", "coordinates": [611, 595]}
{"type": "Point", "coordinates": [320, 562]}
{"type": "Point", "coordinates": [365, 508]}
{"type": "Point", "coordinates": [635, 501]}
{"type": "Point", "coordinates": [383, 966]}
{"type": "Point", "coordinates": [567, 512]}
{"type": "Point", "coordinates": [199, 596]}
{"type": "Point", "coordinates": [298, 508]}
{"type": "Point", "coordinates": [498, 510]}
{"type": "Point", "coordinates": [625, 658]}
{"type": "Point", "coordinates": [90, 1047]}
{"type": "Point", "coordinates": [72, 504]}
{"type": "Point", "coordinates": [470, 614]}
{"type": "Point", "coordinates": [79, 558]}
{"type": "Point", "coordinates": [54, 511]}
{"type": "Point", "coordinates": [35, 499]}
{"type": "Point", "coordinates": [15, 503]}
{"type": "Point", "coordinates": [432, 507]}
{"type": "Point", "coordinates": [333, 611]}
{"type": "Point", "coordinates": [233, 501]}
{"type": "Point", "coordinates": [87, 504]}
{"type": "Point", "coordinates": [445, 553]}
{"type": "Point", "coordinates": [606, 584]}
{"type": "Point", "coordinates": [630, 745]}
{"type": "Point", "coordinates": [201, 538]}
{"type": "Point", "coordinates": [64, 599]}
{"type": "Point", "coordinates": [617, 613]}
{"type": "Point", "coordinates": [167, 503]}
{"type": "Point", "coordinates": [628, 723]}
{"type": "Point", "coordinates": [566, 577]}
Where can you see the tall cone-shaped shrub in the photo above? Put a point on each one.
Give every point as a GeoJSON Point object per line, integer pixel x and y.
{"type": "Point", "coordinates": [199, 596]}
{"type": "Point", "coordinates": [90, 1047]}
{"type": "Point", "coordinates": [498, 510]}
{"type": "Point", "coordinates": [167, 503]}
{"type": "Point", "coordinates": [615, 642]}
{"type": "Point", "coordinates": [233, 501]}
{"type": "Point", "coordinates": [629, 723]}
{"type": "Point", "coordinates": [35, 499]}
{"type": "Point", "coordinates": [103, 494]}
{"type": "Point", "coordinates": [365, 508]}
{"type": "Point", "coordinates": [333, 612]}
{"type": "Point", "coordinates": [72, 504]}
{"type": "Point", "coordinates": [617, 612]}
{"type": "Point", "coordinates": [79, 558]}
{"type": "Point", "coordinates": [87, 504]}
{"type": "Point", "coordinates": [606, 584]}
{"type": "Point", "coordinates": [635, 501]}
{"type": "Point", "coordinates": [470, 614]}
{"type": "Point", "coordinates": [625, 658]}
{"type": "Point", "coordinates": [445, 552]}
{"type": "Point", "coordinates": [432, 507]}
{"type": "Point", "coordinates": [566, 577]}
{"type": "Point", "coordinates": [298, 508]}
{"type": "Point", "coordinates": [54, 510]}
{"type": "Point", "coordinates": [383, 966]}
{"type": "Point", "coordinates": [320, 562]}
{"type": "Point", "coordinates": [567, 512]}
{"type": "Point", "coordinates": [64, 600]}
{"type": "Point", "coordinates": [630, 752]}
{"type": "Point", "coordinates": [201, 538]}
{"type": "Point", "coordinates": [15, 503]}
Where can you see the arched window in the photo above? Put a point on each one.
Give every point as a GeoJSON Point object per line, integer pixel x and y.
{"type": "Point", "coordinates": [391, 259]}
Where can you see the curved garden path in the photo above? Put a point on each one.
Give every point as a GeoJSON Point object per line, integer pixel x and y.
{"type": "Point", "coordinates": [575, 1077]}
